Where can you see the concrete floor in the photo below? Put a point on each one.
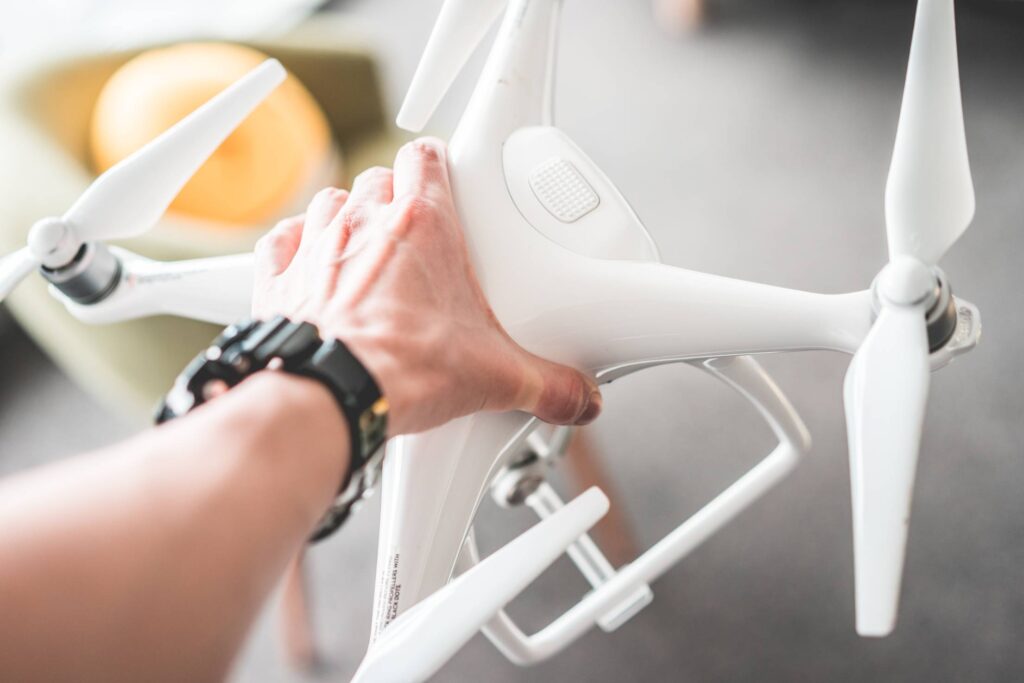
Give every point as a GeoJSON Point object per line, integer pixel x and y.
{"type": "Point", "coordinates": [756, 149]}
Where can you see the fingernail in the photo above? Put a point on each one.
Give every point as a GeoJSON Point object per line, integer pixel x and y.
{"type": "Point", "coordinates": [591, 410]}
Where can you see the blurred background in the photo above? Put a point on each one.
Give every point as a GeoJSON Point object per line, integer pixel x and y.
{"type": "Point", "coordinates": [754, 139]}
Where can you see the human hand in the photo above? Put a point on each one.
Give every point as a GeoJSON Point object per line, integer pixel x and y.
{"type": "Point", "coordinates": [385, 269]}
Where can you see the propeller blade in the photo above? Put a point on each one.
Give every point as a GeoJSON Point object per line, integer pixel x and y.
{"type": "Point", "coordinates": [419, 642]}
{"type": "Point", "coordinates": [132, 195]}
{"type": "Point", "coordinates": [14, 268]}
{"type": "Point", "coordinates": [460, 27]}
{"type": "Point", "coordinates": [885, 393]}
{"type": "Point", "coordinates": [929, 197]}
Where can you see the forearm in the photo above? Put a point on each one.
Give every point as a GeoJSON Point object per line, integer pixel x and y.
{"type": "Point", "coordinates": [149, 560]}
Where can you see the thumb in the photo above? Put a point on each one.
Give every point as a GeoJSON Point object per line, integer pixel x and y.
{"type": "Point", "coordinates": [559, 394]}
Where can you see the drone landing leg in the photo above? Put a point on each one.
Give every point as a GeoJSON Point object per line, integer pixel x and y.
{"type": "Point", "coordinates": [585, 469]}
{"type": "Point", "coordinates": [591, 562]}
{"type": "Point", "coordinates": [614, 593]}
{"type": "Point", "coordinates": [427, 635]}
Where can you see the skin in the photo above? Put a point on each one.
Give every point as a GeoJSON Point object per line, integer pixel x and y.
{"type": "Point", "coordinates": [385, 268]}
{"type": "Point", "coordinates": [149, 560]}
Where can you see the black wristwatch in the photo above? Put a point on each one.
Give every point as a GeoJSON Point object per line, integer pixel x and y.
{"type": "Point", "coordinates": [248, 347]}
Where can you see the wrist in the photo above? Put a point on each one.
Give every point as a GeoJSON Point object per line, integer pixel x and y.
{"type": "Point", "coordinates": [296, 348]}
{"type": "Point", "coordinates": [294, 419]}
{"type": "Point", "coordinates": [305, 367]}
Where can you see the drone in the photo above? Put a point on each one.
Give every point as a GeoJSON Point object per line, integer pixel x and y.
{"type": "Point", "coordinates": [574, 276]}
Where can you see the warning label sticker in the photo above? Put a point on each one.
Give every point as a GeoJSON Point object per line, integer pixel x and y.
{"type": "Point", "coordinates": [390, 592]}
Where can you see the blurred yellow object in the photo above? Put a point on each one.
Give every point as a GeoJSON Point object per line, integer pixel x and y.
{"type": "Point", "coordinates": [258, 172]}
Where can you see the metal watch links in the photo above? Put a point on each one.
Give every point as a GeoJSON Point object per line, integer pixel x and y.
{"type": "Point", "coordinates": [248, 347]}
{"type": "Point", "coordinates": [366, 412]}
{"type": "Point", "coordinates": [241, 350]}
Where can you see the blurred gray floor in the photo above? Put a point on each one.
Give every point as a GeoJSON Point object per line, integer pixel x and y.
{"type": "Point", "coordinates": [758, 149]}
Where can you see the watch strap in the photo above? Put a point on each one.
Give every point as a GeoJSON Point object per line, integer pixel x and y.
{"type": "Point", "coordinates": [356, 393]}
{"type": "Point", "coordinates": [251, 346]}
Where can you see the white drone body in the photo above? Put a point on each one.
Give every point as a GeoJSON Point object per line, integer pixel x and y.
{"type": "Point", "coordinates": [573, 276]}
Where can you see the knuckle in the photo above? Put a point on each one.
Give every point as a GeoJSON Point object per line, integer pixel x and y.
{"type": "Point", "coordinates": [421, 206]}
{"type": "Point", "coordinates": [271, 252]}
{"type": "Point", "coordinates": [327, 201]}
{"type": "Point", "coordinates": [417, 212]}
{"type": "Point", "coordinates": [373, 173]}
{"type": "Point", "coordinates": [424, 150]}
{"type": "Point", "coordinates": [350, 220]}
{"type": "Point", "coordinates": [268, 243]}
{"type": "Point", "coordinates": [329, 194]}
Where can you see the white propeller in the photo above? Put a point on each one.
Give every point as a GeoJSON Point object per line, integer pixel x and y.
{"type": "Point", "coordinates": [929, 203]}
{"type": "Point", "coordinates": [885, 393]}
{"type": "Point", "coordinates": [419, 642]}
{"type": "Point", "coordinates": [460, 27]}
{"type": "Point", "coordinates": [131, 196]}
{"type": "Point", "coordinates": [929, 197]}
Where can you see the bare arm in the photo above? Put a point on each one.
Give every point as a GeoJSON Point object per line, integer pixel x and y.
{"type": "Point", "coordinates": [149, 560]}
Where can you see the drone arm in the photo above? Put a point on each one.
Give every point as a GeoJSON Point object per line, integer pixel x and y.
{"type": "Point", "coordinates": [460, 27]}
{"type": "Point", "coordinates": [516, 86]}
{"type": "Point", "coordinates": [216, 290]}
{"type": "Point", "coordinates": [608, 303]}
{"type": "Point", "coordinates": [649, 312]}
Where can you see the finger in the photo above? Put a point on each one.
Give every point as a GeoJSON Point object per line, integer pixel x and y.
{"type": "Point", "coordinates": [371, 188]}
{"type": "Point", "coordinates": [421, 169]}
{"type": "Point", "coordinates": [326, 204]}
{"type": "Point", "coordinates": [371, 191]}
{"type": "Point", "coordinates": [276, 249]}
{"type": "Point", "coordinates": [559, 394]}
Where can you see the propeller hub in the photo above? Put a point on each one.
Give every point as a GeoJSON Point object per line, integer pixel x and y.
{"type": "Point", "coordinates": [91, 276]}
{"type": "Point", "coordinates": [907, 282]}
{"type": "Point", "coordinates": [53, 242]}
